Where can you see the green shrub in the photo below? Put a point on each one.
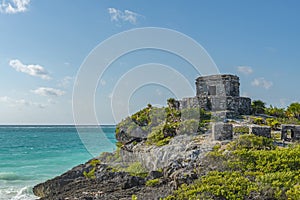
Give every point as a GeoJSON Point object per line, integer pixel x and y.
{"type": "Point", "coordinates": [156, 135]}
{"type": "Point", "coordinates": [216, 185]}
{"type": "Point", "coordinates": [240, 130]}
{"type": "Point", "coordinates": [136, 169]}
{"type": "Point", "coordinates": [94, 162]}
{"type": "Point", "coordinates": [258, 121]}
{"type": "Point", "coordinates": [293, 193]}
{"type": "Point", "coordinates": [90, 174]}
{"type": "Point", "coordinates": [142, 117]}
{"type": "Point", "coordinates": [134, 197]}
{"type": "Point", "coordinates": [248, 169]}
{"type": "Point", "coordinates": [276, 112]}
{"type": "Point", "coordinates": [189, 126]}
{"type": "Point", "coordinates": [273, 123]}
{"type": "Point", "coordinates": [153, 182]}
{"type": "Point", "coordinates": [251, 141]}
{"type": "Point", "coordinates": [258, 107]}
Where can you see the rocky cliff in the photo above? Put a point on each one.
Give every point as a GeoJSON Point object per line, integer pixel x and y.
{"type": "Point", "coordinates": [156, 153]}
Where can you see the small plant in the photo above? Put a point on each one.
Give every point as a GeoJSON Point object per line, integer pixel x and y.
{"type": "Point", "coordinates": [153, 182]}
{"type": "Point", "coordinates": [142, 118]}
{"type": "Point", "coordinates": [134, 197]}
{"type": "Point", "coordinates": [273, 123]}
{"type": "Point", "coordinates": [90, 174]}
{"type": "Point", "coordinates": [136, 169]}
{"type": "Point", "coordinates": [241, 130]}
{"type": "Point", "coordinates": [252, 142]}
{"type": "Point", "coordinates": [258, 121]}
{"type": "Point", "coordinates": [94, 162]}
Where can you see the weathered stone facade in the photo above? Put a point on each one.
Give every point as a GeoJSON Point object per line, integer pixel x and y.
{"type": "Point", "coordinates": [218, 85]}
{"type": "Point", "coordinates": [290, 132]}
{"type": "Point", "coordinates": [219, 93]}
{"type": "Point", "coordinates": [264, 131]}
{"type": "Point", "coordinates": [222, 131]}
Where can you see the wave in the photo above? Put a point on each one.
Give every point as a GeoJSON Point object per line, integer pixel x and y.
{"type": "Point", "coordinates": [11, 176]}
{"type": "Point", "coordinates": [14, 193]}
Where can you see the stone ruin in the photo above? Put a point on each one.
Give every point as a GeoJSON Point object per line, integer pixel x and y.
{"type": "Point", "coordinates": [290, 132]}
{"type": "Point", "coordinates": [224, 131]}
{"type": "Point", "coordinates": [264, 131]}
{"type": "Point", "coordinates": [219, 94]}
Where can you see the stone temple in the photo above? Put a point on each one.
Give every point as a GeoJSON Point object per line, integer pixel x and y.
{"type": "Point", "coordinates": [219, 94]}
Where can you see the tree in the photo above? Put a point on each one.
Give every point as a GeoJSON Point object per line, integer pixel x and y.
{"type": "Point", "coordinates": [258, 107]}
{"type": "Point", "coordinates": [276, 112]}
{"type": "Point", "coordinates": [294, 110]}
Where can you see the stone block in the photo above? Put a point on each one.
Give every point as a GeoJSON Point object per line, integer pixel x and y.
{"type": "Point", "coordinates": [264, 131]}
{"type": "Point", "coordinates": [222, 131]}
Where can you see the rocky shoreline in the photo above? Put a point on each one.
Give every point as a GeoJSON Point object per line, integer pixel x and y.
{"type": "Point", "coordinates": [179, 159]}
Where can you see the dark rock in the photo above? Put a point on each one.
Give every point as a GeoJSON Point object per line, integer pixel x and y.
{"type": "Point", "coordinates": [154, 175]}
{"type": "Point", "coordinates": [132, 181]}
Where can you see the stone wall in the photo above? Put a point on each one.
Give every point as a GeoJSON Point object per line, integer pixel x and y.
{"type": "Point", "coordinates": [244, 107]}
{"type": "Point", "coordinates": [218, 93]}
{"type": "Point", "coordinates": [264, 131]}
{"type": "Point", "coordinates": [290, 132]}
{"type": "Point", "coordinates": [189, 102]}
{"type": "Point", "coordinates": [218, 85]}
{"type": "Point", "coordinates": [222, 131]}
{"type": "Point", "coordinates": [239, 105]}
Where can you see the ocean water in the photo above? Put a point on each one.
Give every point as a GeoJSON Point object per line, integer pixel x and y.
{"type": "Point", "coordinates": [32, 154]}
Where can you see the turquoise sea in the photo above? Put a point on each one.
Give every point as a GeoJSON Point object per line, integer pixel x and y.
{"type": "Point", "coordinates": [33, 154]}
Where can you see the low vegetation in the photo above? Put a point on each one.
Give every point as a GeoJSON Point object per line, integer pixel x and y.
{"type": "Point", "coordinates": [91, 173]}
{"type": "Point", "coordinates": [153, 182]}
{"type": "Point", "coordinates": [251, 167]}
{"type": "Point", "coordinates": [136, 169]}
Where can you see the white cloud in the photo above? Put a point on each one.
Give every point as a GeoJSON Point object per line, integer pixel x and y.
{"type": "Point", "coordinates": [14, 6]}
{"type": "Point", "coordinates": [262, 82]}
{"type": "Point", "coordinates": [65, 82]}
{"type": "Point", "coordinates": [43, 91]}
{"type": "Point", "coordinates": [20, 102]}
{"type": "Point", "coordinates": [245, 70]}
{"type": "Point", "coordinates": [123, 16]}
{"type": "Point", "coordinates": [32, 70]}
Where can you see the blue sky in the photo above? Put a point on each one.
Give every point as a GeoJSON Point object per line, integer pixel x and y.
{"type": "Point", "coordinates": [44, 43]}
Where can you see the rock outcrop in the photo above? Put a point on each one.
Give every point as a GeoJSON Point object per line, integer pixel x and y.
{"type": "Point", "coordinates": [172, 165]}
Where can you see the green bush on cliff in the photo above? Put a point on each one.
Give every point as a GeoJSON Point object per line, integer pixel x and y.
{"type": "Point", "coordinates": [249, 168]}
{"type": "Point", "coordinates": [189, 126]}
{"type": "Point", "coordinates": [142, 118]}
{"type": "Point", "coordinates": [273, 123]}
{"type": "Point", "coordinates": [153, 182]}
{"type": "Point", "coordinates": [251, 142]}
{"type": "Point", "coordinates": [136, 169]}
{"type": "Point", "coordinates": [216, 185]}
{"type": "Point", "coordinates": [157, 137]}
{"type": "Point", "coordinates": [258, 121]}
{"type": "Point", "coordinates": [134, 197]}
{"type": "Point", "coordinates": [90, 174]}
